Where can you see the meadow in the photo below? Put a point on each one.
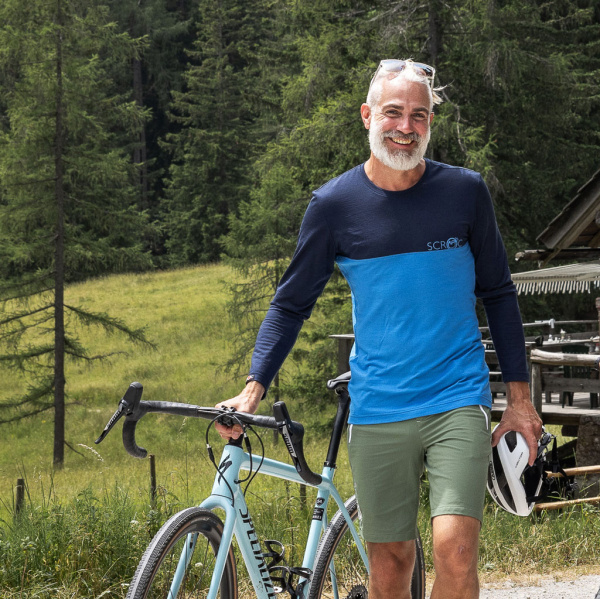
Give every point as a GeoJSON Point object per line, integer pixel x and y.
{"type": "Point", "coordinates": [84, 527]}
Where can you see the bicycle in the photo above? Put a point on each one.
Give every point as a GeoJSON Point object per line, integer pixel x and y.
{"type": "Point", "coordinates": [192, 555]}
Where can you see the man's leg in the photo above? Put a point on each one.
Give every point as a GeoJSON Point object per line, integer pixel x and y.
{"type": "Point", "coordinates": [391, 566]}
{"type": "Point", "coordinates": [457, 458]}
{"type": "Point", "coordinates": [387, 461]}
{"type": "Point", "coordinates": [455, 549]}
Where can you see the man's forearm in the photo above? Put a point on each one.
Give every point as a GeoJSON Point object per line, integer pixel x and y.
{"type": "Point", "coordinates": [517, 391]}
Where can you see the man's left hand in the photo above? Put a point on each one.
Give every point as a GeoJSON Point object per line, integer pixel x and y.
{"type": "Point", "coordinates": [520, 416]}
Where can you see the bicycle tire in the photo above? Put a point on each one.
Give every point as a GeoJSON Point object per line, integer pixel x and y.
{"type": "Point", "coordinates": [338, 545]}
{"type": "Point", "coordinates": [156, 569]}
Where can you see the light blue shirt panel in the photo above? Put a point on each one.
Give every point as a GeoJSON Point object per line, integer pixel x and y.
{"type": "Point", "coordinates": [417, 347]}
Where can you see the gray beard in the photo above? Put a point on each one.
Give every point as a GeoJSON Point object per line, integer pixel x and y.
{"type": "Point", "coordinates": [400, 160]}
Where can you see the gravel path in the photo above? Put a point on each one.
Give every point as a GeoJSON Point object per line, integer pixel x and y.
{"type": "Point", "coordinates": [584, 587]}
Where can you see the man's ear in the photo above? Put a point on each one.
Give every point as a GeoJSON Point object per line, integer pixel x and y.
{"type": "Point", "coordinates": [365, 114]}
{"type": "Point", "coordinates": [431, 118]}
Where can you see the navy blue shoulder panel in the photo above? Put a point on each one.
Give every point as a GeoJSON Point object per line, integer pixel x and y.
{"type": "Point", "coordinates": [367, 222]}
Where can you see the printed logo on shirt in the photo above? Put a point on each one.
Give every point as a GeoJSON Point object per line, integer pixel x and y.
{"type": "Point", "coordinates": [449, 244]}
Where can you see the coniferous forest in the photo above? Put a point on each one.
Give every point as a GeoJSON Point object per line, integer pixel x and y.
{"type": "Point", "coordinates": [146, 134]}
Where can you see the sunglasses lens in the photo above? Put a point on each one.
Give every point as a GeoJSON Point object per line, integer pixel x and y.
{"type": "Point", "coordinates": [425, 68]}
{"type": "Point", "coordinates": [392, 65]}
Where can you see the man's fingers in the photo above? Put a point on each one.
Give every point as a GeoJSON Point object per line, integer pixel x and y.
{"type": "Point", "coordinates": [229, 432]}
{"type": "Point", "coordinates": [531, 432]}
{"type": "Point", "coordinates": [497, 434]}
{"type": "Point", "coordinates": [533, 448]}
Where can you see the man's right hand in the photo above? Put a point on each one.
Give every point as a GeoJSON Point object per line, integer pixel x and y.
{"type": "Point", "coordinates": [247, 401]}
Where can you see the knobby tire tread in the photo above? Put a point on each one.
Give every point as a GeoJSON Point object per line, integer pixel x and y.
{"type": "Point", "coordinates": [191, 520]}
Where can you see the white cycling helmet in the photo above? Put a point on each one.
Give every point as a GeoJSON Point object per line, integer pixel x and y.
{"type": "Point", "coordinates": [512, 483]}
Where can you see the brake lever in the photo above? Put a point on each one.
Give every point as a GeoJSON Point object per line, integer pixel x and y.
{"type": "Point", "coordinates": [121, 411]}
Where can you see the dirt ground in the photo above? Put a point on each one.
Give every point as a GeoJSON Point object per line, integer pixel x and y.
{"type": "Point", "coordinates": [567, 584]}
{"type": "Point", "coordinates": [583, 587]}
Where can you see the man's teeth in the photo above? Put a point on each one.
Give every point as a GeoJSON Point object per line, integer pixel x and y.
{"type": "Point", "coordinates": [402, 141]}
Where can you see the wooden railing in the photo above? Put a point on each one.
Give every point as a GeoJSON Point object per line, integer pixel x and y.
{"type": "Point", "coordinates": [541, 383]}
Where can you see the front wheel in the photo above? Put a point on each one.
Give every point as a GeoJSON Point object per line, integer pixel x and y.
{"type": "Point", "coordinates": [180, 560]}
{"type": "Point", "coordinates": [340, 572]}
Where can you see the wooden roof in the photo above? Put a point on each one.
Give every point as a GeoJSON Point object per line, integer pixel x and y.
{"type": "Point", "coordinates": [575, 232]}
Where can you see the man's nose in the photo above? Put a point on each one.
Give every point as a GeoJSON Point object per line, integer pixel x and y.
{"type": "Point", "coordinates": [404, 124]}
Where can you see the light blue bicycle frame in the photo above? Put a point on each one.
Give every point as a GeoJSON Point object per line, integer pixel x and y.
{"type": "Point", "coordinates": [238, 522]}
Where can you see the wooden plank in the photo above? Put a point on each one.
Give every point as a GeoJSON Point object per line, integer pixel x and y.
{"type": "Point", "coordinates": [594, 241]}
{"type": "Point", "coordinates": [557, 505]}
{"type": "Point", "coordinates": [344, 349]}
{"type": "Point", "coordinates": [536, 387]}
{"type": "Point", "coordinates": [573, 220]}
{"type": "Point", "coordinates": [559, 385]}
{"type": "Point", "coordinates": [579, 471]}
{"type": "Point", "coordinates": [539, 356]}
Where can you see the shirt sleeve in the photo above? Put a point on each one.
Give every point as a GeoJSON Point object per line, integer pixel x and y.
{"type": "Point", "coordinates": [297, 292]}
{"type": "Point", "coordinates": [495, 287]}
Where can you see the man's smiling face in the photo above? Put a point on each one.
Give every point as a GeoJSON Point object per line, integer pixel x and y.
{"type": "Point", "coordinates": [399, 128]}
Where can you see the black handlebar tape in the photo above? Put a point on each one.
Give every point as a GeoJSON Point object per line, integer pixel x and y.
{"type": "Point", "coordinates": [129, 440]}
{"type": "Point", "coordinates": [174, 408]}
{"type": "Point", "coordinates": [293, 435]}
{"type": "Point", "coordinates": [263, 421]}
{"type": "Point", "coordinates": [297, 436]}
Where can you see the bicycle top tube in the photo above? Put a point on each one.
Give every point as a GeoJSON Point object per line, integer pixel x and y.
{"type": "Point", "coordinates": [133, 408]}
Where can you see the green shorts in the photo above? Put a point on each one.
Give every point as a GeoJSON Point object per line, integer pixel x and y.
{"type": "Point", "coordinates": [387, 462]}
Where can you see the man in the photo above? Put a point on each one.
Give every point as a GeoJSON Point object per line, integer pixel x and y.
{"type": "Point", "coordinates": [418, 242]}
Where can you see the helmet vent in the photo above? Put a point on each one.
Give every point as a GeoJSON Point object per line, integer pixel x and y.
{"type": "Point", "coordinates": [511, 440]}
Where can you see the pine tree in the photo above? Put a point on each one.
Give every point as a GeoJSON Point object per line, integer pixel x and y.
{"type": "Point", "coordinates": [514, 90]}
{"type": "Point", "coordinates": [258, 246]}
{"type": "Point", "coordinates": [152, 75]}
{"type": "Point", "coordinates": [208, 176]}
{"type": "Point", "coordinates": [67, 207]}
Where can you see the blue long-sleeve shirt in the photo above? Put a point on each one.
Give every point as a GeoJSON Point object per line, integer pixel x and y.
{"type": "Point", "coordinates": [415, 260]}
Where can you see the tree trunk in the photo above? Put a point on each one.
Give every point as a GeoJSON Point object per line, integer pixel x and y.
{"type": "Point", "coordinates": [59, 261]}
{"type": "Point", "coordinates": [434, 47]}
{"type": "Point", "coordinates": [140, 154]}
{"type": "Point", "coordinates": [434, 41]}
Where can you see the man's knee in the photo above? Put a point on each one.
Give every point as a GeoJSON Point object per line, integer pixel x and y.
{"type": "Point", "coordinates": [455, 545]}
{"type": "Point", "coordinates": [389, 561]}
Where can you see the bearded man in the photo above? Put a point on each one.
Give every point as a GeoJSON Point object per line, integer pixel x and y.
{"type": "Point", "coordinates": [418, 243]}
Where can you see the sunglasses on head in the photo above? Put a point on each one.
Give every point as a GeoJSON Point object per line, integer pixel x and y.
{"type": "Point", "coordinates": [394, 65]}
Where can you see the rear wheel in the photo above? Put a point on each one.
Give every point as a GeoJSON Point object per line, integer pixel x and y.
{"type": "Point", "coordinates": [188, 542]}
{"type": "Point", "coordinates": [340, 572]}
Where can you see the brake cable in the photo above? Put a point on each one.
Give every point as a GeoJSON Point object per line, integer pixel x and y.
{"type": "Point", "coordinates": [251, 473]}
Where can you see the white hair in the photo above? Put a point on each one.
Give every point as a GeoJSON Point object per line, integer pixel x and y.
{"type": "Point", "coordinates": [409, 73]}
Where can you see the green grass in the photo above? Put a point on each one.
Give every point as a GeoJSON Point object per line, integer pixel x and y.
{"type": "Point", "coordinates": [183, 314]}
{"type": "Point", "coordinates": [85, 526]}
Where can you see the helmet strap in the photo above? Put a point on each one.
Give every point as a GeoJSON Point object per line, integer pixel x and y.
{"type": "Point", "coordinates": [548, 483]}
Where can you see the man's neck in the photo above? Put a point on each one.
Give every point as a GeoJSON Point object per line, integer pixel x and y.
{"type": "Point", "coordinates": [390, 179]}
